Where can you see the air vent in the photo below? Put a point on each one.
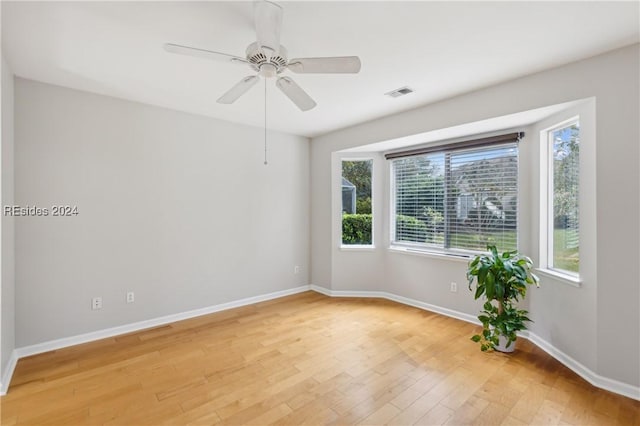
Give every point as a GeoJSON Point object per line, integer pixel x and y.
{"type": "Point", "coordinates": [399, 92]}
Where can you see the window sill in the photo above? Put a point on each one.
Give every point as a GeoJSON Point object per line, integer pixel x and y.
{"type": "Point", "coordinates": [431, 254]}
{"type": "Point", "coordinates": [559, 276]}
{"type": "Point", "coordinates": [356, 247]}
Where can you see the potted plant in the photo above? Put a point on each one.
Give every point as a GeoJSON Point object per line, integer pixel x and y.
{"type": "Point", "coordinates": [502, 279]}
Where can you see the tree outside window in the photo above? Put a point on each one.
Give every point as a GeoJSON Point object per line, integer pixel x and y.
{"type": "Point", "coordinates": [357, 218]}
{"type": "Point", "coordinates": [564, 229]}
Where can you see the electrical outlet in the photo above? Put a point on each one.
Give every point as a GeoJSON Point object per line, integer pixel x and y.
{"type": "Point", "coordinates": [296, 269]}
{"type": "Point", "coordinates": [131, 297]}
{"type": "Point", "coordinates": [96, 303]}
{"type": "Point", "coordinates": [454, 288]}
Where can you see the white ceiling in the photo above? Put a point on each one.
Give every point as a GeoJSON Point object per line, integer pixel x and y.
{"type": "Point", "coordinates": [439, 49]}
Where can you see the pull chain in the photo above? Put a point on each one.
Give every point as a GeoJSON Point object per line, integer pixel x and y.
{"type": "Point", "coordinates": [265, 122]}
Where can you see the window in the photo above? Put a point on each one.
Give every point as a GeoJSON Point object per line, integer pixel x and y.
{"type": "Point", "coordinates": [563, 226]}
{"type": "Point", "coordinates": [357, 220]}
{"type": "Point", "coordinates": [457, 199]}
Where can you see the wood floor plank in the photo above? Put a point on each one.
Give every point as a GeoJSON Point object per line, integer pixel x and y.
{"type": "Point", "coordinates": [438, 415]}
{"type": "Point", "coordinates": [469, 412]}
{"type": "Point", "coordinates": [305, 359]}
{"type": "Point", "coordinates": [415, 391]}
{"type": "Point", "coordinates": [530, 402]}
{"type": "Point", "coordinates": [495, 414]}
{"type": "Point", "coordinates": [444, 386]}
{"type": "Point", "coordinates": [268, 417]}
{"type": "Point", "coordinates": [549, 413]}
{"type": "Point", "coordinates": [381, 416]}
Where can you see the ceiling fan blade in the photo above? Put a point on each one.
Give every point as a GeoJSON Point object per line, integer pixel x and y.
{"type": "Point", "coordinates": [295, 93]}
{"type": "Point", "coordinates": [238, 90]}
{"type": "Point", "coordinates": [202, 53]}
{"type": "Point", "coordinates": [268, 22]}
{"type": "Point", "coordinates": [337, 64]}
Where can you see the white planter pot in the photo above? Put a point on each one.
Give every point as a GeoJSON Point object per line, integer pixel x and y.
{"type": "Point", "coordinates": [502, 345]}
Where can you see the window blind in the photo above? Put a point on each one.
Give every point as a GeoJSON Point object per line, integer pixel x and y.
{"type": "Point", "coordinates": [466, 144]}
{"type": "Point", "coordinates": [457, 200]}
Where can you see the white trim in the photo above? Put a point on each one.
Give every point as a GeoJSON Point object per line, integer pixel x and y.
{"type": "Point", "coordinates": [547, 176]}
{"type": "Point", "coordinates": [321, 290]}
{"type": "Point", "coordinates": [358, 247]}
{"type": "Point", "coordinates": [571, 280]}
{"type": "Point", "coordinates": [433, 308]}
{"type": "Point", "coordinates": [345, 293]}
{"type": "Point", "coordinates": [396, 298]}
{"type": "Point", "coordinates": [8, 373]}
{"type": "Point", "coordinates": [155, 322]}
{"type": "Point", "coordinates": [595, 379]}
{"type": "Point", "coordinates": [432, 254]}
{"type": "Point", "coordinates": [582, 371]}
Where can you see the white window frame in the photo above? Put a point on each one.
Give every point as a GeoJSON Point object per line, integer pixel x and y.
{"type": "Point", "coordinates": [546, 205]}
{"type": "Point", "coordinates": [357, 247]}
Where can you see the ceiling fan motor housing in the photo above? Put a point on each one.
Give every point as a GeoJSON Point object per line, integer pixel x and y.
{"type": "Point", "coordinates": [265, 65]}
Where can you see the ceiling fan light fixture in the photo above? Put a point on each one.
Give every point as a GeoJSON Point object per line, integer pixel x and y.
{"type": "Point", "coordinates": [268, 70]}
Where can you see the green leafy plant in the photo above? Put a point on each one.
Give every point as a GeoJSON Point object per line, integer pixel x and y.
{"type": "Point", "coordinates": [363, 205]}
{"type": "Point", "coordinates": [356, 228]}
{"type": "Point", "coordinates": [502, 279]}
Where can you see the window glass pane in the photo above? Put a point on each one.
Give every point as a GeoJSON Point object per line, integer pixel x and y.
{"type": "Point", "coordinates": [565, 236]}
{"type": "Point", "coordinates": [357, 219]}
{"type": "Point", "coordinates": [419, 202]}
{"type": "Point", "coordinates": [461, 199]}
{"type": "Point", "coordinates": [483, 199]}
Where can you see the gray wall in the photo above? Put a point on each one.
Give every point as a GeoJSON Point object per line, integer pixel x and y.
{"type": "Point", "coordinates": [607, 310]}
{"type": "Point", "coordinates": [569, 327]}
{"type": "Point", "coordinates": [7, 289]}
{"type": "Point", "coordinates": [175, 207]}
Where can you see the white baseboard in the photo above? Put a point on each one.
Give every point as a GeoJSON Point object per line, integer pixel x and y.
{"type": "Point", "coordinates": [345, 293]}
{"type": "Point", "coordinates": [584, 372]}
{"type": "Point", "coordinates": [155, 322]}
{"type": "Point", "coordinates": [432, 308]}
{"type": "Point", "coordinates": [8, 373]}
{"type": "Point", "coordinates": [596, 380]}
{"type": "Point", "coordinates": [400, 299]}
{"type": "Point", "coordinates": [590, 376]}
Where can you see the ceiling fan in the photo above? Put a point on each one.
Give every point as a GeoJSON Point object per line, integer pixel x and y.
{"type": "Point", "coordinates": [269, 59]}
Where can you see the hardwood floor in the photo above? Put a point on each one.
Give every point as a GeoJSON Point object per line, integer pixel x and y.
{"type": "Point", "coordinates": [306, 359]}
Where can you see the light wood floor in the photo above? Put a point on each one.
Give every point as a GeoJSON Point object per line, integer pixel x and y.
{"type": "Point", "coordinates": [306, 359]}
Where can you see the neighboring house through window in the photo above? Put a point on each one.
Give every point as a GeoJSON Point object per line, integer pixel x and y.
{"type": "Point", "coordinates": [457, 198]}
